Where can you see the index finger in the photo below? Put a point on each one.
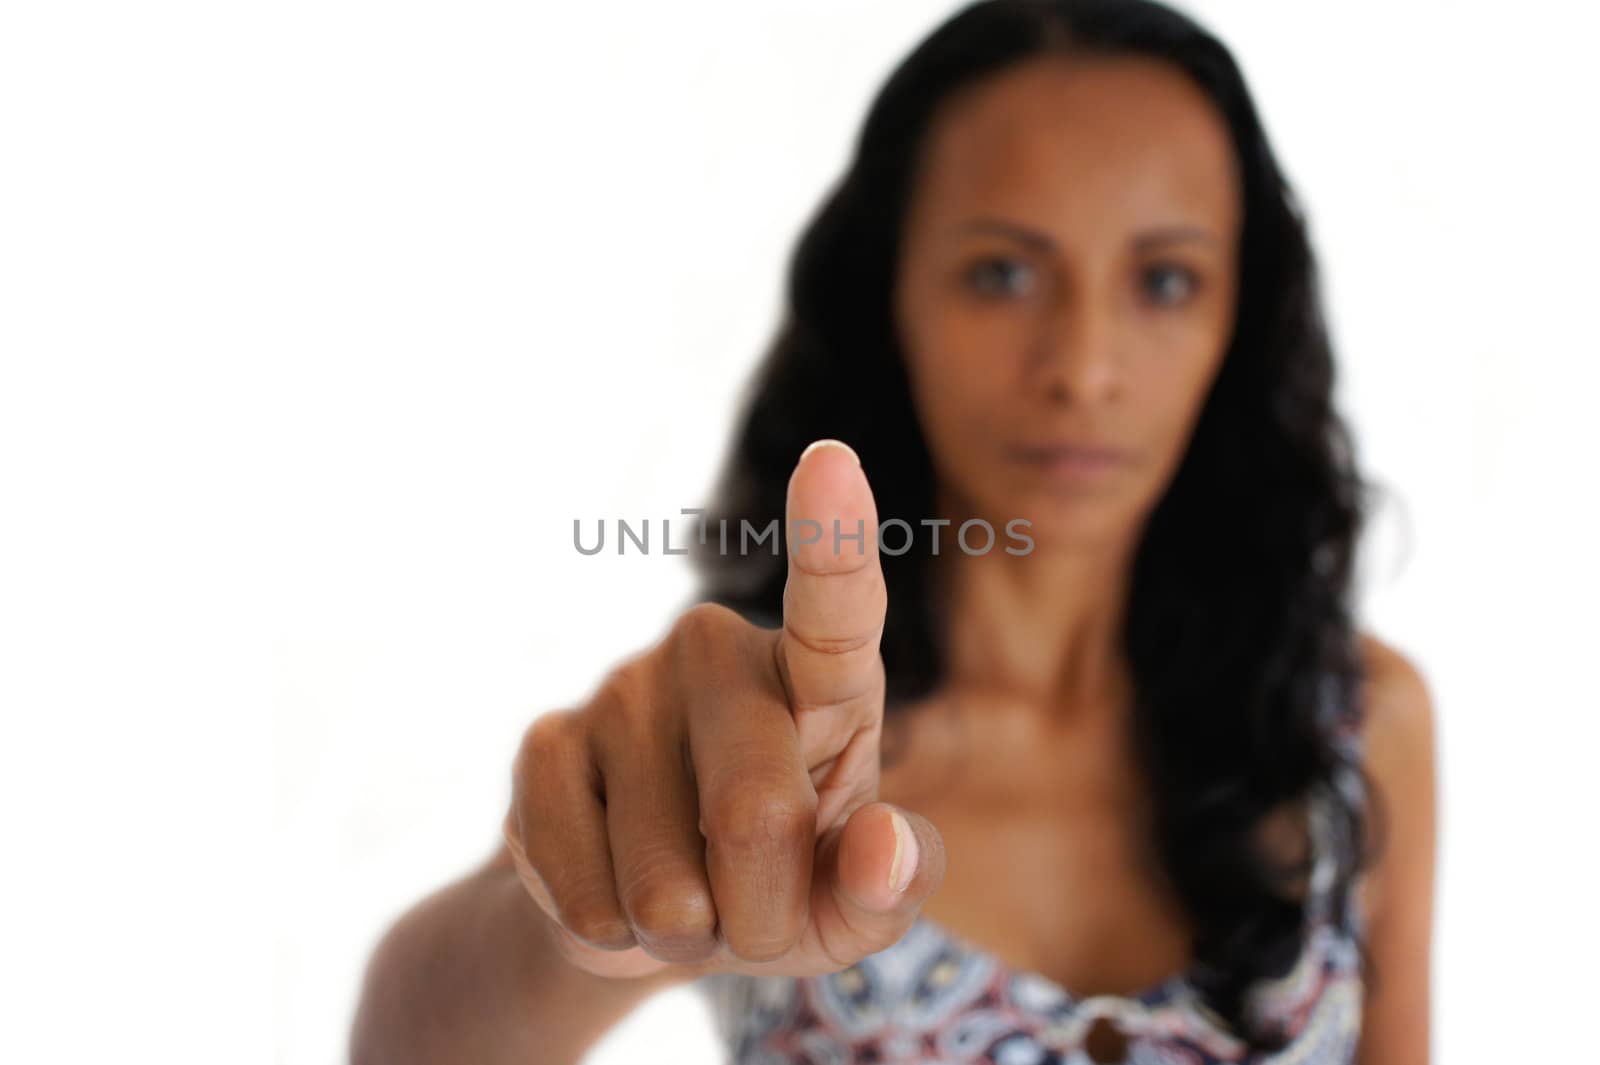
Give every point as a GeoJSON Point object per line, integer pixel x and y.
{"type": "Point", "coordinates": [834, 600]}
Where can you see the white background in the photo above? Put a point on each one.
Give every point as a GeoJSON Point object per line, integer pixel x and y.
{"type": "Point", "coordinates": [320, 322]}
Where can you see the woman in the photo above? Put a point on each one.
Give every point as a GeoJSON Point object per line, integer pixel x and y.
{"type": "Point", "coordinates": [1147, 791]}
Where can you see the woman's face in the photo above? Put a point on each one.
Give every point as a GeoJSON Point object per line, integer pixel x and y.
{"type": "Point", "coordinates": [1066, 285]}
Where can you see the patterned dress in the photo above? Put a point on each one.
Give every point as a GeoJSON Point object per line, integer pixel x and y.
{"type": "Point", "coordinates": [935, 999]}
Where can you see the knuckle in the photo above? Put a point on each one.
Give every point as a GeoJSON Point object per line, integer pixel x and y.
{"type": "Point", "coordinates": [596, 924]}
{"type": "Point", "coordinates": [704, 621]}
{"type": "Point", "coordinates": [746, 816]}
{"type": "Point", "coordinates": [552, 739]}
{"type": "Point", "coordinates": [672, 915]}
{"type": "Point", "coordinates": [822, 644]}
{"type": "Point", "coordinates": [709, 640]}
{"type": "Point", "coordinates": [543, 736]}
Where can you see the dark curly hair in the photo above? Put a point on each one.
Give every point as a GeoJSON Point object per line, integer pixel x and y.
{"type": "Point", "coordinates": [1247, 666]}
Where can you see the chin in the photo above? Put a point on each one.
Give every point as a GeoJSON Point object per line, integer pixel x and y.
{"type": "Point", "coordinates": [1063, 535]}
{"type": "Point", "coordinates": [1058, 522]}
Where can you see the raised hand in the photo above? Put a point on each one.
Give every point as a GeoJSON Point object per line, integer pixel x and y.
{"type": "Point", "coordinates": [713, 806]}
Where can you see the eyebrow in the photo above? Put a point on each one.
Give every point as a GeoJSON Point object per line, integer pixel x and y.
{"type": "Point", "coordinates": [1036, 239]}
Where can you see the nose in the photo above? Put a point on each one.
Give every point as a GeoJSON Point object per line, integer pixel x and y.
{"type": "Point", "coordinates": [1075, 357]}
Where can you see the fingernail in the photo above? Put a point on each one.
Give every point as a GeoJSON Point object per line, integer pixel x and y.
{"type": "Point", "coordinates": [904, 866]}
{"type": "Point", "coordinates": [830, 443]}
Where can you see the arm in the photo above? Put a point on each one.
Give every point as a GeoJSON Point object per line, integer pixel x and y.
{"type": "Point", "coordinates": [472, 973]}
{"type": "Point", "coordinates": [1398, 894]}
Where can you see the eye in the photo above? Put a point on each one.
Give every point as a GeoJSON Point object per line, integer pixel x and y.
{"type": "Point", "coordinates": [1000, 275]}
{"type": "Point", "coordinates": [1171, 284]}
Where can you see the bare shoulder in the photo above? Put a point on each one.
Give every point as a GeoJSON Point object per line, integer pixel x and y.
{"type": "Point", "coordinates": [1398, 722]}
{"type": "Point", "coordinates": [1399, 746]}
{"type": "Point", "coordinates": [1398, 699]}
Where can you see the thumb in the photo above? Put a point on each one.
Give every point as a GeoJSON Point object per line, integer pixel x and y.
{"type": "Point", "coordinates": [866, 853]}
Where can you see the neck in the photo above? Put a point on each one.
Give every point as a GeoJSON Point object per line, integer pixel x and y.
{"type": "Point", "coordinates": [1045, 627]}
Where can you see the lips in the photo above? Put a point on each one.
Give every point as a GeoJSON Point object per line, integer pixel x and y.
{"type": "Point", "coordinates": [1069, 455]}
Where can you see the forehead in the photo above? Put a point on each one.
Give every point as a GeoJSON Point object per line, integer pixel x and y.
{"type": "Point", "coordinates": [1107, 141]}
